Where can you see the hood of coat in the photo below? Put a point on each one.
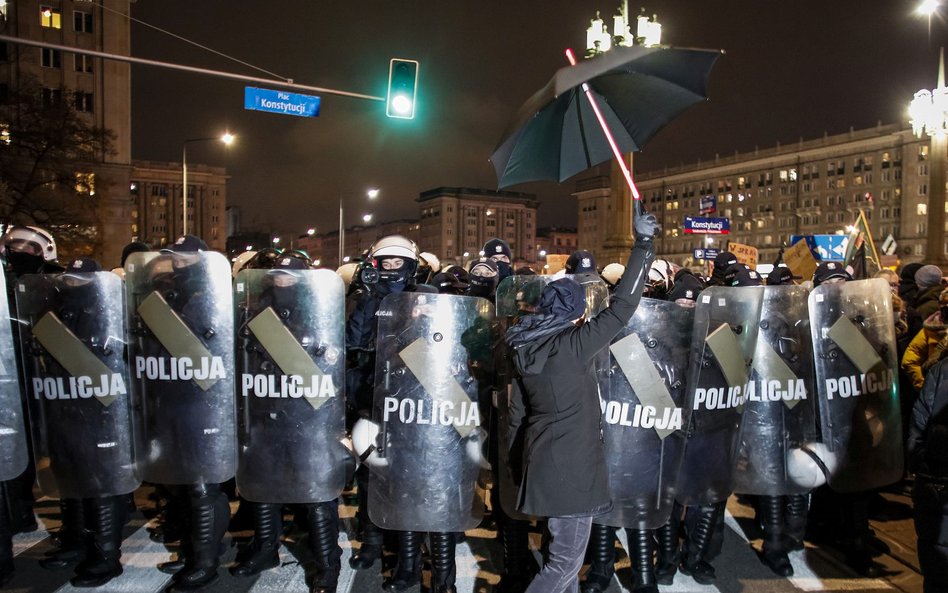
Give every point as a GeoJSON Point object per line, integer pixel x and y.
{"type": "Point", "coordinates": [532, 340]}
{"type": "Point", "coordinates": [935, 324]}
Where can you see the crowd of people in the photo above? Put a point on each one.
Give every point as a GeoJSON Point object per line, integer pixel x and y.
{"type": "Point", "coordinates": [536, 375]}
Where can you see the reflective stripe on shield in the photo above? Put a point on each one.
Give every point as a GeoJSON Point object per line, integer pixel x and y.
{"type": "Point", "coordinates": [284, 348]}
{"type": "Point", "coordinates": [173, 333]}
{"type": "Point", "coordinates": [69, 351]}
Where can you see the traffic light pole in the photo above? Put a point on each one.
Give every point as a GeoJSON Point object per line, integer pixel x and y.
{"type": "Point", "coordinates": [193, 69]}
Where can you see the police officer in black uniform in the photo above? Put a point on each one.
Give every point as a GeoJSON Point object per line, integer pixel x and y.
{"type": "Point", "coordinates": [283, 295]}
{"type": "Point", "coordinates": [32, 250]}
{"type": "Point", "coordinates": [205, 506]}
{"type": "Point", "coordinates": [390, 269]}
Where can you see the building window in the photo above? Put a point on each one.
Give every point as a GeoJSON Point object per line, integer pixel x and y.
{"type": "Point", "coordinates": [85, 183]}
{"type": "Point", "coordinates": [82, 21]}
{"type": "Point", "coordinates": [921, 209]}
{"type": "Point", "coordinates": [50, 58]}
{"type": "Point", "coordinates": [923, 189]}
{"type": "Point", "coordinates": [922, 152]}
{"type": "Point", "coordinates": [83, 62]}
{"type": "Point", "coordinates": [51, 18]}
{"type": "Point", "coordinates": [52, 97]}
{"type": "Point", "coordinates": [84, 102]}
{"type": "Point", "coordinates": [923, 169]}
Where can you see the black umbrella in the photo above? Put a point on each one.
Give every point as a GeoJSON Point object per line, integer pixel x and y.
{"type": "Point", "coordinates": [637, 90]}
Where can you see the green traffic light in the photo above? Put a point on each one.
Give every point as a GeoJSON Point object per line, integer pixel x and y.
{"type": "Point", "coordinates": [402, 86]}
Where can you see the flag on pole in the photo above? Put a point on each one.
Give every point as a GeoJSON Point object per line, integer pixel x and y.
{"type": "Point", "coordinates": [861, 254]}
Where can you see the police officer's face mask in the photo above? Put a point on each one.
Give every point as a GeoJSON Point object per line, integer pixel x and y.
{"type": "Point", "coordinates": [24, 262]}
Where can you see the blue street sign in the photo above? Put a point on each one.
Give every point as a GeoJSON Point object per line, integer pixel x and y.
{"type": "Point", "coordinates": [280, 102]}
{"type": "Point", "coordinates": [824, 247]}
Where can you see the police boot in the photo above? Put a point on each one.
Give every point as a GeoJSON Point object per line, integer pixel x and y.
{"type": "Point", "coordinates": [263, 552]}
{"type": "Point", "coordinates": [692, 562]}
{"type": "Point", "coordinates": [640, 544]}
{"type": "Point", "coordinates": [408, 570]}
{"type": "Point", "coordinates": [19, 500]}
{"type": "Point", "coordinates": [71, 544]}
{"type": "Point", "coordinates": [104, 521]}
{"type": "Point", "coordinates": [517, 557]}
{"type": "Point", "coordinates": [371, 548]}
{"type": "Point", "coordinates": [774, 551]}
{"type": "Point", "coordinates": [666, 564]}
{"type": "Point", "coordinates": [795, 520]}
{"type": "Point", "coordinates": [323, 520]}
{"type": "Point", "coordinates": [602, 552]}
{"type": "Point", "coordinates": [443, 569]}
{"type": "Point", "coordinates": [210, 513]}
{"type": "Point", "coordinates": [6, 544]}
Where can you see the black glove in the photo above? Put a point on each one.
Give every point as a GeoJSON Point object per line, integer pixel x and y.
{"type": "Point", "coordinates": [646, 228]}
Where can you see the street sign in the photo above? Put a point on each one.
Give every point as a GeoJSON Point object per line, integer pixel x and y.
{"type": "Point", "coordinates": [708, 226]}
{"type": "Point", "coordinates": [706, 254]}
{"type": "Point", "coordinates": [256, 99]}
{"type": "Point", "coordinates": [824, 247]}
{"type": "Point", "coordinates": [708, 205]}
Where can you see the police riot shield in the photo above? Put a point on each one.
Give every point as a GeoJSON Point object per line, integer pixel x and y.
{"type": "Point", "coordinates": [857, 381]}
{"type": "Point", "coordinates": [722, 347]}
{"type": "Point", "coordinates": [13, 450]}
{"type": "Point", "coordinates": [181, 354]}
{"type": "Point", "coordinates": [515, 296]}
{"type": "Point", "coordinates": [431, 349]}
{"type": "Point", "coordinates": [643, 411]}
{"type": "Point", "coordinates": [73, 344]}
{"type": "Point", "coordinates": [290, 374]}
{"type": "Point", "coordinates": [780, 400]}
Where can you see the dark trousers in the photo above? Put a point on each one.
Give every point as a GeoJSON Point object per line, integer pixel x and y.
{"type": "Point", "coordinates": [930, 506]}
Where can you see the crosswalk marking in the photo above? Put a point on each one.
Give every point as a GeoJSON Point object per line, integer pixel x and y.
{"type": "Point", "coordinates": [478, 566]}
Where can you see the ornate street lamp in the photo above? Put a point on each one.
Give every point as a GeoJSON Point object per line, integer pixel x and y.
{"type": "Point", "coordinates": [928, 114]}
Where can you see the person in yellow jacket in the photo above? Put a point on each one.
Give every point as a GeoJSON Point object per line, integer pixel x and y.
{"type": "Point", "coordinates": [929, 345]}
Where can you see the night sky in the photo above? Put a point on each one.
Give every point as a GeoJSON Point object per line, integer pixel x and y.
{"type": "Point", "coordinates": [792, 69]}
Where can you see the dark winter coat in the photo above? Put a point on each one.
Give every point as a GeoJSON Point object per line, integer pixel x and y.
{"type": "Point", "coordinates": [928, 457]}
{"type": "Point", "coordinates": [554, 408]}
{"type": "Point", "coordinates": [928, 432]}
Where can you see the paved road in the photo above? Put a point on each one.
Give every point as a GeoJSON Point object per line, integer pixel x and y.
{"type": "Point", "coordinates": [738, 568]}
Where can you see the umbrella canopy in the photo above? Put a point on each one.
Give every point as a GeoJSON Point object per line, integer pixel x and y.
{"type": "Point", "coordinates": [639, 90]}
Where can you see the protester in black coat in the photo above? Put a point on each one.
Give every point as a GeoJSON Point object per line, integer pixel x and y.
{"type": "Point", "coordinates": [555, 412]}
{"type": "Point", "coordinates": [928, 457]}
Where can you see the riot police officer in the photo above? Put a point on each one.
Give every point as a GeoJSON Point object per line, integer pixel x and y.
{"type": "Point", "coordinates": [73, 320]}
{"type": "Point", "coordinates": [186, 421]}
{"type": "Point", "coordinates": [32, 250]}
{"type": "Point", "coordinates": [390, 269]}
{"type": "Point", "coordinates": [301, 435]}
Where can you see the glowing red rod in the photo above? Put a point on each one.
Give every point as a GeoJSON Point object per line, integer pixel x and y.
{"type": "Point", "coordinates": [605, 130]}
